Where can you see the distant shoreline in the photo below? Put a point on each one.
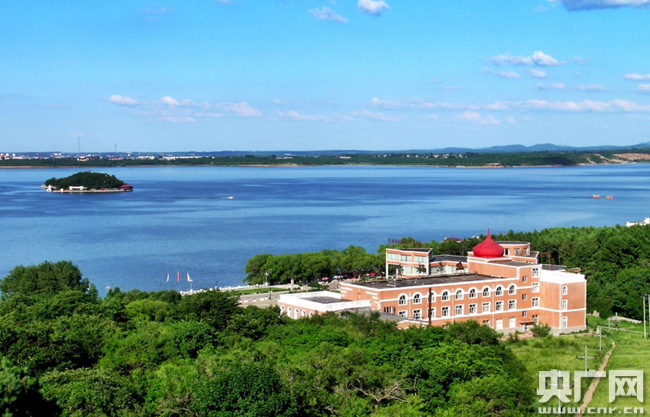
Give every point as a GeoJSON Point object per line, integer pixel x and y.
{"type": "Point", "coordinates": [312, 166]}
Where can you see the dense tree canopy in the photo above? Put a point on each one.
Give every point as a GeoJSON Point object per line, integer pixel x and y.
{"type": "Point", "coordinates": [71, 353]}
{"type": "Point", "coordinates": [90, 180]}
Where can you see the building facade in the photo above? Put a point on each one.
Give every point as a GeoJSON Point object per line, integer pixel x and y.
{"type": "Point", "coordinates": [499, 284]}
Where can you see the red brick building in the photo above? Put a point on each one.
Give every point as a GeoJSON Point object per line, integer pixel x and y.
{"type": "Point", "coordinates": [498, 284]}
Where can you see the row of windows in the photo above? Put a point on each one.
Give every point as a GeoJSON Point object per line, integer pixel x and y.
{"type": "Point", "coordinates": [296, 312]}
{"type": "Point", "coordinates": [459, 310]}
{"type": "Point", "coordinates": [445, 296]}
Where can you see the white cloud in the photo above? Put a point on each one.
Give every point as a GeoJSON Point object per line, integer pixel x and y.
{"type": "Point", "coordinates": [432, 117]}
{"type": "Point", "coordinates": [122, 100]}
{"type": "Point", "coordinates": [327, 14]}
{"type": "Point", "coordinates": [576, 5]}
{"type": "Point", "coordinates": [280, 102]}
{"type": "Point", "coordinates": [510, 120]}
{"type": "Point", "coordinates": [587, 106]}
{"type": "Point", "coordinates": [476, 118]}
{"type": "Point", "coordinates": [644, 88]}
{"type": "Point", "coordinates": [538, 58]}
{"type": "Point", "coordinates": [170, 101]}
{"type": "Point", "coordinates": [580, 61]}
{"type": "Point", "coordinates": [241, 109]}
{"type": "Point", "coordinates": [637, 77]}
{"type": "Point", "coordinates": [540, 9]}
{"type": "Point", "coordinates": [375, 116]}
{"type": "Point", "coordinates": [372, 7]}
{"type": "Point", "coordinates": [591, 87]}
{"type": "Point", "coordinates": [156, 10]}
{"type": "Point", "coordinates": [224, 1]}
{"type": "Point", "coordinates": [294, 115]}
{"type": "Point", "coordinates": [509, 74]}
{"type": "Point", "coordinates": [497, 105]}
{"type": "Point", "coordinates": [415, 105]}
{"type": "Point", "coordinates": [537, 73]}
{"type": "Point", "coordinates": [558, 86]}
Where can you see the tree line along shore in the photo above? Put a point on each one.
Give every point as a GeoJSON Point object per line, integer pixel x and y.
{"type": "Point", "coordinates": [66, 351]}
{"type": "Point", "coordinates": [464, 160]}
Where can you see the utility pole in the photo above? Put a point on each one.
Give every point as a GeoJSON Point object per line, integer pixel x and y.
{"type": "Point", "coordinates": [585, 358]}
{"type": "Point", "coordinates": [600, 338]}
{"type": "Point", "coordinates": [645, 334]}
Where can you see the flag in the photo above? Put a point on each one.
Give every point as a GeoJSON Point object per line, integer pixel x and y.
{"type": "Point", "coordinates": [167, 277]}
{"type": "Point", "coordinates": [178, 276]}
{"type": "Point", "coordinates": [188, 278]}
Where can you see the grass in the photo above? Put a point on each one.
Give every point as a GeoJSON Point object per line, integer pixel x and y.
{"type": "Point", "coordinates": [632, 353]}
{"type": "Point", "coordinates": [548, 353]}
{"type": "Point", "coordinates": [257, 290]}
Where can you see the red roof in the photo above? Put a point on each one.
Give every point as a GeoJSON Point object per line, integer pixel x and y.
{"type": "Point", "coordinates": [488, 248]}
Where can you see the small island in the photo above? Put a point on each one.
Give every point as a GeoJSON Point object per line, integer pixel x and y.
{"type": "Point", "coordinates": [87, 182]}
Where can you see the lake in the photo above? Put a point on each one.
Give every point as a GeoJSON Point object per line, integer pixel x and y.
{"type": "Point", "coordinates": [180, 218]}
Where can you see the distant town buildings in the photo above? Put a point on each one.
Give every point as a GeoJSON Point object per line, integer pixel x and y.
{"type": "Point", "coordinates": [499, 284]}
{"type": "Point", "coordinates": [644, 222]}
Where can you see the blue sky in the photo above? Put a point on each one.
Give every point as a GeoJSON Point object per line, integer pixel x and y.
{"type": "Point", "coordinates": [321, 74]}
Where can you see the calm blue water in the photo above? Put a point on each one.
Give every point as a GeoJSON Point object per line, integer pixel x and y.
{"type": "Point", "coordinates": [180, 219]}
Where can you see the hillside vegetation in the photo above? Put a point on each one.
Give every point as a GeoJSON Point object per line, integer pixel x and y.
{"type": "Point", "coordinates": [66, 352]}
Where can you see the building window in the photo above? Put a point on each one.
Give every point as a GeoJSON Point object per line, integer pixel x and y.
{"type": "Point", "coordinates": [445, 312]}
{"type": "Point", "coordinates": [524, 279]}
{"type": "Point", "coordinates": [499, 291]}
{"type": "Point", "coordinates": [564, 322]}
{"type": "Point", "coordinates": [512, 322]}
{"type": "Point", "coordinates": [524, 313]}
{"type": "Point", "coordinates": [459, 310]}
{"type": "Point", "coordinates": [565, 290]}
{"type": "Point", "coordinates": [499, 324]}
{"type": "Point", "coordinates": [311, 314]}
{"type": "Point", "coordinates": [506, 251]}
{"type": "Point", "coordinates": [421, 259]}
{"type": "Point", "coordinates": [517, 252]}
{"type": "Point", "coordinates": [498, 306]}
{"type": "Point", "coordinates": [535, 272]}
{"type": "Point", "coordinates": [536, 319]}
{"type": "Point", "coordinates": [564, 304]}
{"type": "Point", "coordinates": [472, 309]}
{"type": "Point", "coordinates": [289, 312]}
{"type": "Point", "coordinates": [304, 313]}
{"type": "Point", "coordinates": [524, 297]}
{"type": "Point", "coordinates": [486, 307]}
{"type": "Point", "coordinates": [417, 314]}
{"type": "Point", "coordinates": [535, 302]}
{"type": "Point", "coordinates": [405, 258]}
{"type": "Point", "coordinates": [486, 292]}
{"type": "Point", "coordinates": [486, 323]}
{"type": "Point", "coordinates": [388, 310]}
{"type": "Point", "coordinates": [282, 310]}
{"type": "Point", "coordinates": [512, 290]}
{"type": "Point", "coordinates": [433, 296]}
{"type": "Point", "coordinates": [433, 312]}
{"type": "Point", "coordinates": [472, 293]}
{"type": "Point", "coordinates": [402, 313]}
{"type": "Point", "coordinates": [445, 296]}
{"type": "Point", "coordinates": [417, 299]}
{"type": "Point", "coordinates": [459, 295]}
{"type": "Point", "coordinates": [392, 256]}
{"type": "Point", "coordinates": [402, 300]}
{"type": "Point", "coordinates": [535, 287]}
{"type": "Point", "coordinates": [512, 304]}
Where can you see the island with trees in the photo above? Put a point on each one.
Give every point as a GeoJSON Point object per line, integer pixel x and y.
{"type": "Point", "coordinates": [87, 182]}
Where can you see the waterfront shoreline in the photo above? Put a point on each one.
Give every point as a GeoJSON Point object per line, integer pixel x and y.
{"type": "Point", "coordinates": [313, 166]}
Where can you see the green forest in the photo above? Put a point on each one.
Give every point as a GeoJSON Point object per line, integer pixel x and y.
{"type": "Point", "coordinates": [64, 351]}
{"type": "Point", "coordinates": [90, 180]}
{"type": "Point", "coordinates": [616, 261]}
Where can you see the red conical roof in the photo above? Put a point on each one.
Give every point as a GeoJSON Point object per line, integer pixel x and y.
{"type": "Point", "coordinates": [488, 248]}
